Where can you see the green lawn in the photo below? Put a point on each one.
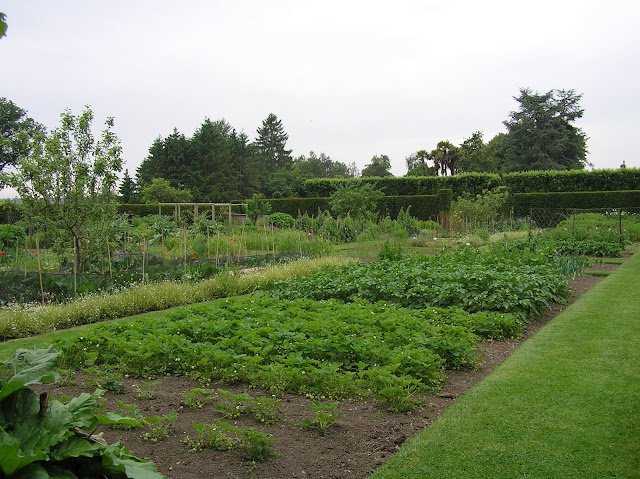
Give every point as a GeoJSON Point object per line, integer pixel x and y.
{"type": "Point", "coordinates": [564, 405]}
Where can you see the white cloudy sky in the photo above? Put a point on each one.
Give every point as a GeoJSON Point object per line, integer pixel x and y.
{"type": "Point", "coordinates": [349, 78]}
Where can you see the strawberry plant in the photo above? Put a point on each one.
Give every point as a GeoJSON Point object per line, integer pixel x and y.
{"type": "Point", "coordinates": [147, 390]}
{"type": "Point", "coordinates": [266, 409]}
{"type": "Point", "coordinates": [239, 404]}
{"type": "Point", "coordinates": [209, 436]}
{"type": "Point", "coordinates": [196, 397]}
{"type": "Point", "coordinates": [258, 446]}
{"type": "Point", "coordinates": [161, 427]}
{"type": "Point", "coordinates": [327, 413]}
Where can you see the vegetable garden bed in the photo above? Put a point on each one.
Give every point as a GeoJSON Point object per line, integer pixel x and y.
{"type": "Point", "coordinates": [361, 439]}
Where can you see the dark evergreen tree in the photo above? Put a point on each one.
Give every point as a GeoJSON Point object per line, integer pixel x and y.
{"type": "Point", "coordinates": [271, 146]}
{"type": "Point", "coordinates": [127, 188]}
{"type": "Point", "coordinates": [215, 164]}
{"type": "Point", "coordinates": [541, 135]}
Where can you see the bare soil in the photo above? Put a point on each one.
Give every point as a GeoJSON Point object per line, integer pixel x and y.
{"type": "Point", "coordinates": [361, 440]}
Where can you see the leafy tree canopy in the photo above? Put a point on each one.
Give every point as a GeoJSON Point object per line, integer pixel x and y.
{"type": "Point", "coordinates": [161, 191]}
{"type": "Point", "coordinates": [67, 178]}
{"type": "Point", "coordinates": [18, 132]}
{"type": "Point", "coordinates": [3, 25]}
{"type": "Point", "coordinates": [380, 166]}
{"type": "Point", "coordinates": [321, 166]}
{"type": "Point", "coordinates": [215, 164]}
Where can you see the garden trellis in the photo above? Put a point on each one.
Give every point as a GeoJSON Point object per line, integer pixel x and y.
{"type": "Point", "coordinates": [177, 207]}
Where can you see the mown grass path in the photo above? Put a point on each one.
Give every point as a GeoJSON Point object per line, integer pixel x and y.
{"type": "Point", "coordinates": [564, 405]}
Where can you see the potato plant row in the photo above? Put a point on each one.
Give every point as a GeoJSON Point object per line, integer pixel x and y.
{"type": "Point", "coordinates": [505, 278]}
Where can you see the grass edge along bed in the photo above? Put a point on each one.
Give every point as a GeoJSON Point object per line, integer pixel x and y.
{"type": "Point", "coordinates": [563, 405]}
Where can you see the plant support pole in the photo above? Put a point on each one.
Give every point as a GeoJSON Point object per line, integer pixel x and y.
{"type": "Point", "coordinates": [39, 268]}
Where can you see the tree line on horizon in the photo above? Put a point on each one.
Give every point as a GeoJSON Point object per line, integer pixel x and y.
{"type": "Point", "coordinates": [219, 164]}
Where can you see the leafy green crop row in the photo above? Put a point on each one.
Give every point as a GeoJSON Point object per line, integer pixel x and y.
{"type": "Point", "coordinates": [326, 348]}
{"type": "Point", "coordinates": [518, 282]}
{"type": "Point", "coordinates": [16, 323]}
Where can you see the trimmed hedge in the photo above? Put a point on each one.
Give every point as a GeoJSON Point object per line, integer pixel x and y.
{"type": "Point", "coordinates": [294, 205]}
{"type": "Point", "coordinates": [139, 209]}
{"type": "Point", "coordinates": [475, 183]}
{"type": "Point", "coordinates": [523, 202]}
{"type": "Point", "coordinates": [423, 207]}
{"type": "Point", "coordinates": [575, 180]}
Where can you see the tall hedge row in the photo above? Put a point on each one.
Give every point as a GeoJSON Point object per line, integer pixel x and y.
{"type": "Point", "coordinates": [294, 205]}
{"type": "Point", "coordinates": [408, 186]}
{"type": "Point", "coordinates": [474, 183]}
{"type": "Point", "coordinates": [523, 202]}
{"type": "Point", "coordinates": [565, 181]}
{"type": "Point", "coordinates": [423, 207]}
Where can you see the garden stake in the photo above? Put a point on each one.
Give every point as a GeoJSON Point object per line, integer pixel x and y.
{"type": "Point", "coordinates": [39, 268]}
{"type": "Point", "coordinates": [26, 257]}
{"type": "Point", "coordinates": [273, 232]}
{"type": "Point", "coordinates": [143, 261]}
{"type": "Point", "coordinates": [217, 248]}
{"type": "Point", "coordinates": [75, 269]}
{"type": "Point", "coordinates": [184, 248]}
{"type": "Point", "coordinates": [109, 258]}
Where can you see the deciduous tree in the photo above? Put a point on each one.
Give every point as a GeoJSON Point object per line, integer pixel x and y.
{"type": "Point", "coordinates": [67, 180]}
{"type": "Point", "coordinates": [161, 191]}
{"type": "Point", "coordinates": [320, 166]}
{"type": "Point", "coordinates": [18, 133]}
{"type": "Point", "coordinates": [380, 166]}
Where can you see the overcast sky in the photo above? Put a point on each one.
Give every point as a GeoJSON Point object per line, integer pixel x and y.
{"type": "Point", "coordinates": [351, 79]}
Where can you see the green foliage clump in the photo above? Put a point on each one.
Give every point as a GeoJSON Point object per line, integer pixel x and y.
{"type": "Point", "coordinates": [356, 201]}
{"type": "Point", "coordinates": [326, 413]}
{"type": "Point", "coordinates": [390, 253]}
{"type": "Point", "coordinates": [482, 209]}
{"type": "Point", "coordinates": [43, 437]}
{"type": "Point", "coordinates": [281, 220]}
{"type": "Point", "coordinates": [9, 234]}
{"type": "Point", "coordinates": [255, 207]}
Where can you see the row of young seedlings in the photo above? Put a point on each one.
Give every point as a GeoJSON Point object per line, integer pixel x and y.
{"type": "Point", "coordinates": [219, 436]}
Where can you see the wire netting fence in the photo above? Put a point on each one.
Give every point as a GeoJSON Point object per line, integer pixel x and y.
{"type": "Point", "coordinates": [621, 221]}
{"type": "Point", "coordinates": [624, 222]}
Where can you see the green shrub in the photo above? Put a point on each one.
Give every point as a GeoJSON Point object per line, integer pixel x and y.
{"type": "Point", "coordinates": [356, 201]}
{"type": "Point", "coordinates": [44, 437]}
{"type": "Point", "coordinates": [281, 220]}
{"type": "Point", "coordinates": [9, 234]}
